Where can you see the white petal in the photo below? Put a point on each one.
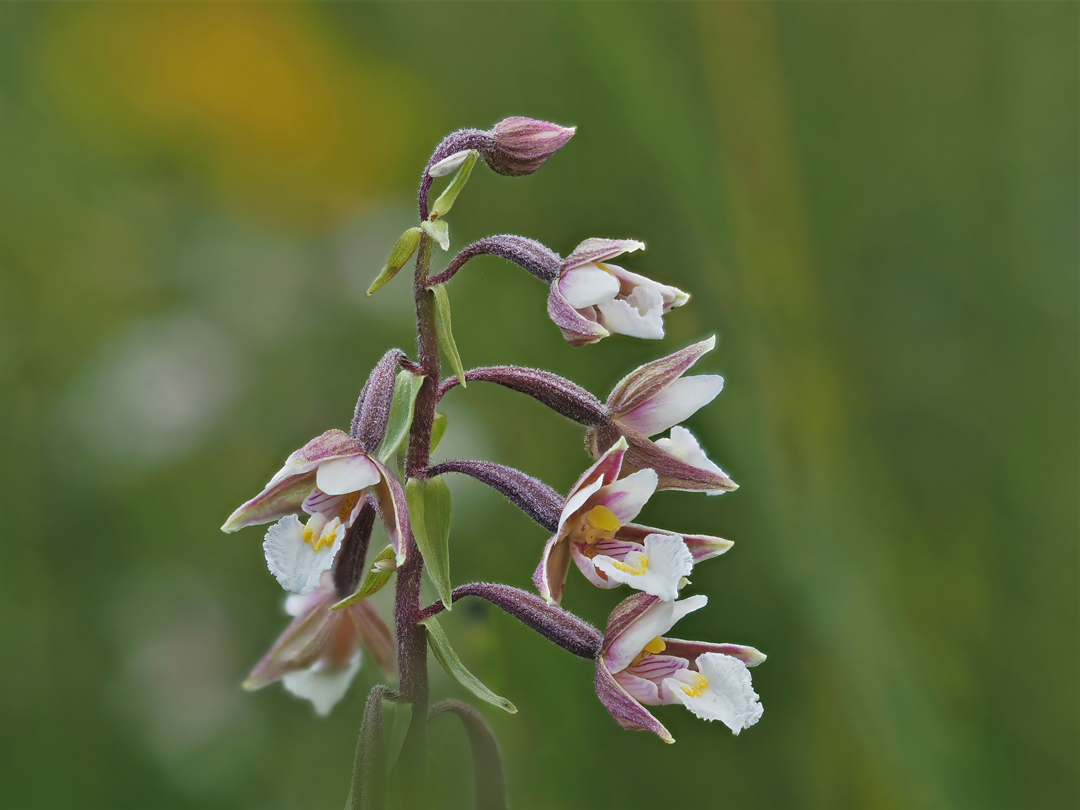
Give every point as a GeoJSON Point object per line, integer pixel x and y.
{"type": "Point", "coordinates": [666, 562]}
{"type": "Point", "coordinates": [683, 445]}
{"type": "Point", "coordinates": [672, 296]}
{"type": "Point", "coordinates": [677, 402]}
{"type": "Point", "coordinates": [448, 164]}
{"type": "Point", "coordinates": [655, 621]}
{"type": "Point", "coordinates": [640, 314]}
{"type": "Point", "coordinates": [588, 285]}
{"type": "Point", "coordinates": [323, 686]}
{"type": "Point", "coordinates": [627, 496]}
{"type": "Point", "coordinates": [577, 500]}
{"type": "Point", "coordinates": [729, 697]}
{"type": "Point", "coordinates": [341, 476]}
{"type": "Point", "coordinates": [294, 563]}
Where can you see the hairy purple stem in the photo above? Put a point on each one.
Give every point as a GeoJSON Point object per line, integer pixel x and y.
{"type": "Point", "coordinates": [558, 393]}
{"type": "Point", "coordinates": [531, 495]}
{"type": "Point", "coordinates": [573, 634]}
{"type": "Point", "coordinates": [454, 142]}
{"type": "Point", "coordinates": [528, 254]}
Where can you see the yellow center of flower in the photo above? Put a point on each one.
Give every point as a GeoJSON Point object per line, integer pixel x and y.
{"type": "Point", "coordinates": [323, 539]}
{"type": "Point", "coordinates": [654, 647]}
{"type": "Point", "coordinates": [347, 506]}
{"type": "Point", "coordinates": [635, 570]}
{"type": "Point", "coordinates": [695, 689]}
{"type": "Point", "coordinates": [599, 523]}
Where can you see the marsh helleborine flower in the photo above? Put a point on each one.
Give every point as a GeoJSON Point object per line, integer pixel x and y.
{"type": "Point", "coordinates": [328, 478]}
{"type": "Point", "coordinates": [594, 530]}
{"type": "Point", "coordinates": [592, 298]}
{"type": "Point", "coordinates": [319, 653]}
{"type": "Point", "coordinates": [639, 665]}
{"type": "Point", "coordinates": [515, 146]}
{"type": "Point", "coordinates": [653, 398]}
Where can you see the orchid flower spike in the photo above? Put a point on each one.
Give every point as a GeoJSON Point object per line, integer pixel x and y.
{"type": "Point", "coordinates": [327, 478]}
{"type": "Point", "coordinates": [592, 298]}
{"type": "Point", "coordinates": [319, 653]}
{"type": "Point", "coordinates": [639, 665]}
{"type": "Point", "coordinates": [653, 398]}
{"type": "Point", "coordinates": [594, 530]}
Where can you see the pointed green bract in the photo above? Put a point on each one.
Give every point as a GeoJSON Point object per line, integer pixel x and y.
{"type": "Point", "coordinates": [438, 430]}
{"type": "Point", "coordinates": [446, 200]}
{"type": "Point", "coordinates": [439, 231]}
{"type": "Point", "coordinates": [406, 387]}
{"type": "Point", "coordinates": [375, 580]}
{"type": "Point", "coordinates": [447, 658]}
{"type": "Point", "coordinates": [402, 252]}
{"type": "Point", "coordinates": [400, 715]}
{"type": "Point", "coordinates": [429, 515]}
{"type": "Point", "coordinates": [445, 333]}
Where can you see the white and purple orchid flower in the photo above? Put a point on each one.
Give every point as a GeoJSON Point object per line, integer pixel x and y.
{"type": "Point", "coordinates": [639, 666]}
{"type": "Point", "coordinates": [593, 298]}
{"type": "Point", "coordinates": [320, 651]}
{"type": "Point", "coordinates": [328, 478]}
{"type": "Point", "coordinates": [596, 532]}
{"type": "Point", "coordinates": [653, 398]}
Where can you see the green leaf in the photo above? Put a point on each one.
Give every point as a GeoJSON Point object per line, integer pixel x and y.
{"type": "Point", "coordinates": [446, 656]}
{"type": "Point", "coordinates": [368, 788]}
{"type": "Point", "coordinates": [429, 516]}
{"type": "Point", "coordinates": [373, 582]}
{"type": "Point", "coordinates": [402, 252]}
{"type": "Point", "coordinates": [446, 200]}
{"type": "Point", "coordinates": [399, 728]}
{"type": "Point", "coordinates": [406, 387]}
{"type": "Point", "coordinates": [438, 429]}
{"type": "Point", "coordinates": [489, 777]}
{"type": "Point", "coordinates": [444, 332]}
{"type": "Point", "coordinates": [439, 231]}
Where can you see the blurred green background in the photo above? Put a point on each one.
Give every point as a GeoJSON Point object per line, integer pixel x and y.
{"type": "Point", "coordinates": [875, 207]}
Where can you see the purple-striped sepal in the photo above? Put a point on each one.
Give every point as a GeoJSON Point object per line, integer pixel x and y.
{"type": "Point", "coordinates": [639, 667]}
{"type": "Point", "coordinates": [327, 479]}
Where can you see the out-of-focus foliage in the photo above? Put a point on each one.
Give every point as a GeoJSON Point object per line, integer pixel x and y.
{"type": "Point", "coordinates": [874, 206]}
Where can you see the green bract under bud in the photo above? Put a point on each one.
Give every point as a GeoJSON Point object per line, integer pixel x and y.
{"type": "Point", "coordinates": [402, 252]}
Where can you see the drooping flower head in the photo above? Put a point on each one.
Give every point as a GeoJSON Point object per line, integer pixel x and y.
{"type": "Point", "coordinates": [639, 666]}
{"type": "Point", "coordinates": [328, 479]}
{"type": "Point", "coordinates": [319, 653]}
{"type": "Point", "coordinates": [653, 398]}
{"type": "Point", "coordinates": [595, 530]}
{"type": "Point", "coordinates": [593, 298]}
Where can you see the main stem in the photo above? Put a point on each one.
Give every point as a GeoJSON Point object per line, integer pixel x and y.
{"type": "Point", "coordinates": [411, 635]}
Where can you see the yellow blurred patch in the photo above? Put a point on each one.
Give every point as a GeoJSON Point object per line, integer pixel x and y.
{"type": "Point", "coordinates": [258, 101]}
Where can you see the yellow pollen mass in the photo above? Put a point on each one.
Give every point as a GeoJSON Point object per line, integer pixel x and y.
{"type": "Point", "coordinates": [634, 570]}
{"type": "Point", "coordinates": [656, 646]}
{"type": "Point", "coordinates": [700, 684]}
{"type": "Point", "coordinates": [599, 523]}
{"type": "Point", "coordinates": [324, 540]}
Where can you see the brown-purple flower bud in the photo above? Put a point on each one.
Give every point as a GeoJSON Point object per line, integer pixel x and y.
{"type": "Point", "coordinates": [521, 145]}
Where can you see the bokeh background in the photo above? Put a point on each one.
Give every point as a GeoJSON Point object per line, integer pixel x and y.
{"type": "Point", "coordinates": [875, 207]}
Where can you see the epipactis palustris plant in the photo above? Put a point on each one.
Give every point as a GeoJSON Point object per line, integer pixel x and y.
{"type": "Point", "coordinates": [340, 483]}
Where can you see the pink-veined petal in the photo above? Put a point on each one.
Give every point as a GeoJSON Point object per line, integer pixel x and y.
{"type": "Point", "coordinates": [599, 250]}
{"type": "Point", "coordinates": [576, 329]}
{"type": "Point", "coordinates": [586, 567]}
{"type": "Point", "coordinates": [627, 496]}
{"type": "Point", "coordinates": [284, 497]}
{"type": "Point", "coordinates": [654, 621]}
{"type": "Point", "coordinates": [693, 649]}
{"type": "Point", "coordinates": [390, 497]}
{"type": "Point", "coordinates": [627, 712]}
{"type": "Point", "coordinates": [677, 402]}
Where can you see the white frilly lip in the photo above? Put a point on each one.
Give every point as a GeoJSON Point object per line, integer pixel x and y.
{"type": "Point", "coordinates": [666, 562]}
{"type": "Point", "coordinates": [729, 696]}
{"type": "Point", "coordinates": [295, 564]}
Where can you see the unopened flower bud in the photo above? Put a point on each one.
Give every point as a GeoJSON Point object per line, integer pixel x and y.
{"type": "Point", "coordinates": [521, 145]}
